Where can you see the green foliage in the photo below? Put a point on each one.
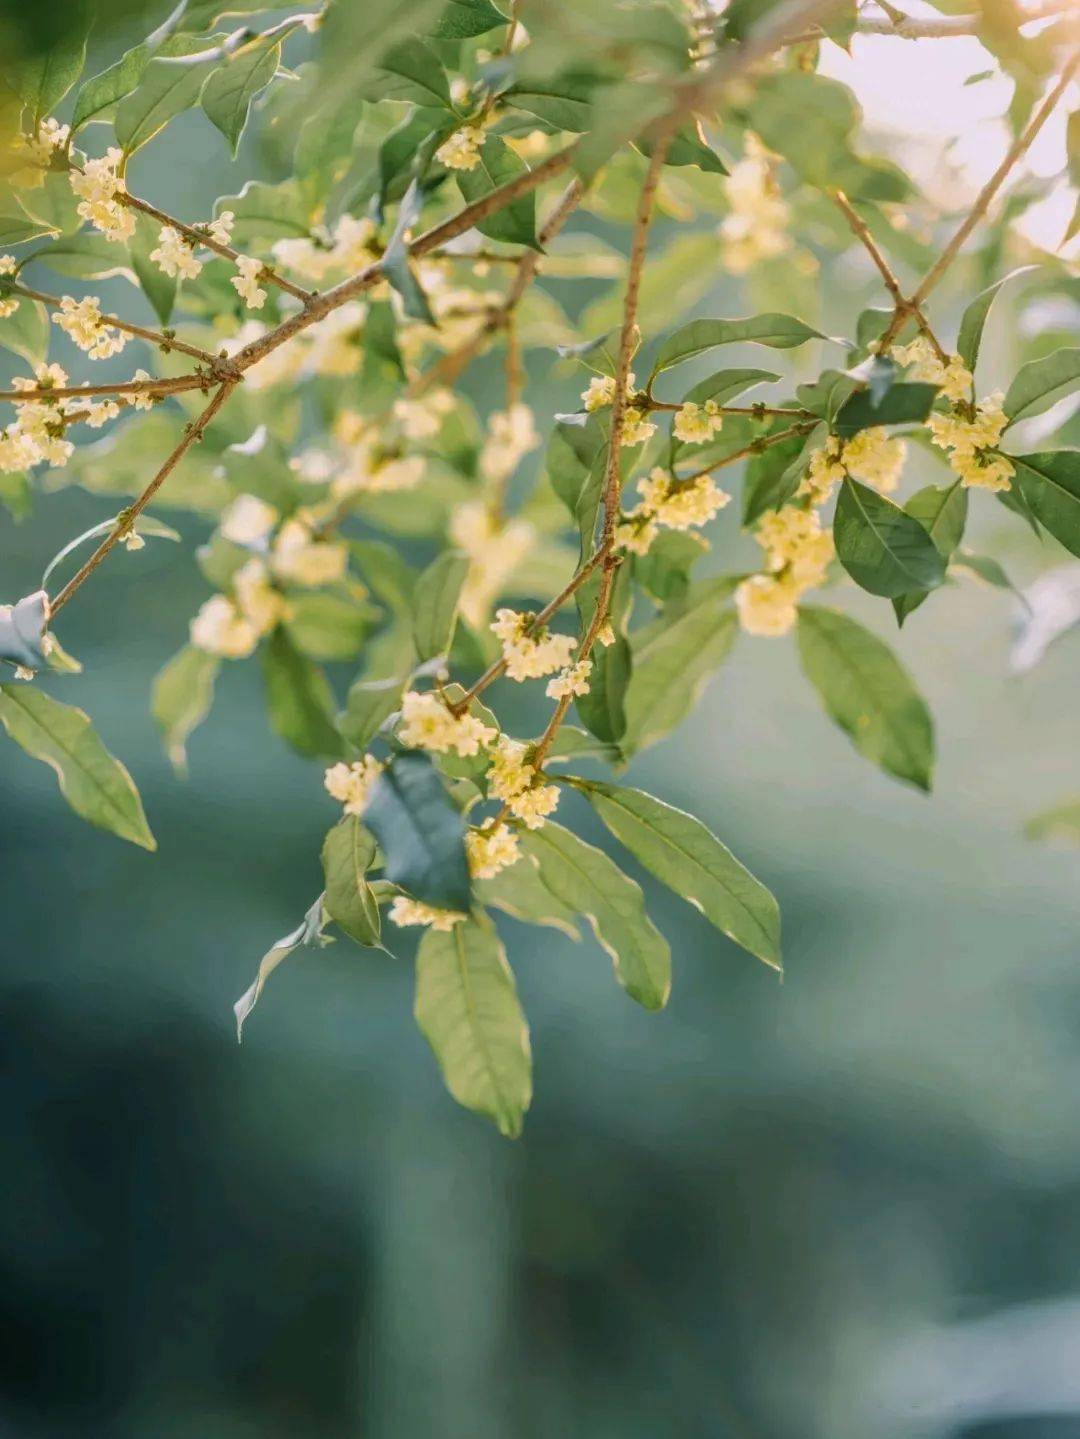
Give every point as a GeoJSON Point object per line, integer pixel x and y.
{"type": "Point", "coordinates": [884, 549]}
{"type": "Point", "coordinates": [347, 856]}
{"type": "Point", "coordinates": [180, 699]}
{"type": "Point", "coordinates": [420, 832]}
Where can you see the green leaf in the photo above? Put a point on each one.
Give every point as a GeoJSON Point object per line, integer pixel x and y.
{"type": "Point", "coordinates": [180, 699]}
{"type": "Point", "coordinates": [328, 626]}
{"type": "Point", "coordinates": [42, 80]}
{"type": "Point", "coordinates": [688, 148]}
{"type": "Point", "coordinates": [266, 212]}
{"type": "Point", "coordinates": [467, 1009]}
{"type": "Point", "coordinates": [462, 19]}
{"type": "Point", "coordinates": [299, 701]}
{"type": "Point", "coordinates": [347, 855]}
{"type": "Point", "coordinates": [726, 385]}
{"type": "Point", "coordinates": [100, 91]}
{"type": "Point", "coordinates": [1060, 825]}
{"type": "Point", "coordinates": [228, 93]}
{"type": "Point", "coordinates": [942, 512]}
{"type": "Point", "coordinates": [26, 332]}
{"type": "Point", "coordinates": [514, 224]}
{"type": "Point", "coordinates": [420, 832]}
{"type": "Point", "coordinates": [22, 630]}
{"type": "Point", "coordinates": [435, 603]}
{"type": "Point", "coordinates": [1049, 485]}
{"type": "Point", "coordinates": [664, 572]}
{"type": "Point", "coordinates": [54, 204]}
{"type": "Point", "coordinates": [904, 403]}
{"type": "Point", "coordinates": [395, 260]}
{"type": "Point", "coordinates": [308, 932]}
{"type": "Point", "coordinates": [85, 256]}
{"type": "Point", "coordinates": [868, 694]}
{"type": "Point", "coordinates": [1041, 383]}
{"type": "Point", "coordinates": [882, 548]}
{"type": "Point", "coordinates": [166, 89]}
{"type": "Point", "coordinates": [17, 229]}
{"type": "Point", "coordinates": [689, 859]}
{"type": "Point", "coordinates": [521, 893]}
{"type": "Point", "coordinates": [159, 288]}
{"type": "Point", "coordinates": [564, 103]}
{"type": "Point", "coordinates": [411, 71]}
{"type": "Point", "coordinates": [781, 332]}
{"type": "Point", "coordinates": [95, 784]}
{"type": "Point", "coordinates": [368, 703]}
{"type": "Point", "coordinates": [773, 475]}
{"type": "Point", "coordinates": [574, 743]}
{"type": "Point", "coordinates": [673, 662]}
{"type": "Point", "coordinates": [973, 320]}
{"type": "Point", "coordinates": [603, 709]}
{"type": "Point", "coordinates": [576, 459]}
{"type": "Point", "coordinates": [590, 883]}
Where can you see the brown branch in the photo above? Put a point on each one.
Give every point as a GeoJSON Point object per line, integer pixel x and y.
{"type": "Point", "coordinates": [128, 517]}
{"type": "Point", "coordinates": [647, 402]}
{"type": "Point", "coordinates": [763, 442]}
{"type": "Point", "coordinates": [175, 386]}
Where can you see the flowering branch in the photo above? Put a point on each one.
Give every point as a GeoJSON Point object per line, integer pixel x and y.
{"type": "Point", "coordinates": [164, 340]}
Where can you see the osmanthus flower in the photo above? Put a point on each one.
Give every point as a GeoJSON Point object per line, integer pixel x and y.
{"type": "Point", "coordinates": [257, 597]}
{"type": "Point", "coordinates": [495, 547]}
{"type": "Point", "coordinates": [696, 424]}
{"type": "Point", "coordinates": [427, 723]}
{"type": "Point", "coordinates": [8, 303]}
{"type": "Point", "coordinates": [220, 230]}
{"type": "Point", "coordinates": [462, 150]}
{"type": "Point", "coordinates": [175, 255]}
{"type": "Point", "coordinates": [366, 464]}
{"type": "Point", "coordinates": [404, 911]}
{"type": "Point", "coordinates": [767, 604]}
{"type": "Point", "coordinates": [34, 153]}
{"type": "Point", "coordinates": [219, 628]}
{"type": "Point", "coordinates": [300, 558]}
{"type": "Point", "coordinates": [421, 418]}
{"type": "Point", "coordinates": [574, 680]}
{"type": "Point", "coordinates": [530, 654]}
{"type": "Point", "coordinates": [245, 282]}
{"type": "Point", "coordinates": [872, 455]}
{"type": "Point", "coordinates": [490, 849]}
{"type": "Point", "coordinates": [969, 433]}
{"type": "Point", "coordinates": [81, 321]}
{"type": "Point", "coordinates": [953, 378]}
{"type": "Point", "coordinates": [36, 434]}
{"type": "Point", "coordinates": [144, 401]}
{"type": "Point", "coordinates": [350, 246]}
{"type": "Point", "coordinates": [757, 227]}
{"type": "Point", "coordinates": [514, 780]}
{"type": "Point", "coordinates": [350, 784]}
{"type": "Point", "coordinates": [511, 435]}
{"type": "Point", "coordinates": [98, 184]}
{"type": "Point", "coordinates": [824, 471]}
{"type": "Point", "coordinates": [681, 504]}
{"type": "Point", "coordinates": [600, 391]}
{"type": "Point", "coordinates": [248, 520]}
{"type": "Point", "coordinates": [798, 549]}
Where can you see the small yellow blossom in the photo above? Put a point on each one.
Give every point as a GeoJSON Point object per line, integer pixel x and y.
{"type": "Point", "coordinates": [426, 723]}
{"type": "Point", "coordinates": [81, 321]}
{"type": "Point", "coordinates": [256, 598]}
{"type": "Point", "coordinates": [175, 255]}
{"type": "Point", "coordinates": [681, 504]}
{"type": "Point", "coordinates": [511, 435]}
{"type": "Point", "coordinates": [350, 784]}
{"type": "Point", "coordinates": [462, 150]}
{"type": "Point", "coordinates": [220, 629]}
{"type": "Point", "coordinates": [246, 281]}
{"type": "Point", "coordinates": [143, 400]}
{"type": "Point", "coordinates": [531, 655]}
{"type": "Point", "coordinates": [767, 605]}
{"type": "Point", "coordinates": [301, 559]}
{"type": "Point", "coordinates": [404, 911]}
{"type": "Point", "coordinates": [600, 391]}
{"type": "Point", "coordinates": [952, 377]}
{"type": "Point", "coordinates": [756, 228]}
{"type": "Point", "coordinates": [970, 440]}
{"type": "Point", "coordinates": [495, 549]}
{"type": "Point", "coordinates": [823, 472]}
{"type": "Point", "coordinates": [99, 185]}
{"type": "Point", "coordinates": [248, 520]}
{"type": "Point", "coordinates": [220, 229]}
{"type": "Point", "coordinates": [490, 849]}
{"type": "Point", "coordinates": [696, 424]}
{"type": "Point", "coordinates": [875, 458]}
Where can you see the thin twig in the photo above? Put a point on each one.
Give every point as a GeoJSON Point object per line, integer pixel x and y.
{"type": "Point", "coordinates": [763, 442]}
{"type": "Point", "coordinates": [175, 386]}
{"type": "Point", "coordinates": [153, 337]}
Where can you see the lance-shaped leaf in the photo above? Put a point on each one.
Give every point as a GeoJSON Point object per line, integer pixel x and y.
{"type": "Point", "coordinates": [95, 784]}
{"type": "Point", "coordinates": [42, 80]}
{"type": "Point", "coordinates": [726, 385]}
{"type": "Point", "coordinates": [299, 700]}
{"type": "Point", "coordinates": [308, 932]}
{"type": "Point", "coordinates": [774, 474]}
{"type": "Point", "coordinates": [22, 630]}
{"type": "Point", "coordinates": [17, 229]}
{"type": "Point", "coordinates": [180, 699]}
{"type": "Point", "coordinates": [435, 603]}
{"type": "Point", "coordinates": [228, 93]}
{"type": "Point", "coordinates": [1049, 486]}
{"type": "Point", "coordinates": [689, 859]}
{"type": "Point", "coordinates": [674, 660]}
{"type": "Point", "coordinates": [973, 320]}
{"type": "Point", "coordinates": [347, 854]}
{"type": "Point", "coordinates": [781, 332]}
{"type": "Point", "coordinates": [942, 512]}
{"type": "Point", "coordinates": [367, 705]}
{"type": "Point", "coordinates": [411, 71]}
{"type": "Point", "coordinates": [603, 707]}
{"type": "Point", "coordinates": [564, 103]}
{"type": "Point", "coordinates": [420, 832]}
{"type": "Point", "coordinates": [395, 260]}
{"type": "Point", "coordinates": [520, 892]}
{"type": "Point", "coordinates": [167, 87]}
{"type": "Point", "coordinates": [883, 549]}
{"type": "Point", "coordinates": [902, 403]}
{"type": "Point", "coordinates": [159, 288]}
{"type": "Point", "coordinates": [462, 19]}
{"type": "Point", "coordinates": [100, 91]}
{"type": "Point", "coordinates": [514, 224]}
{"type": "Point", "coordinates": [868, 693]}
{"type": "Point", "coordinates": [1041, 383]}
{"type": "Point", "coordinates": [467, 1009]}
{"type": "Point", "coordinates": [589, 882]}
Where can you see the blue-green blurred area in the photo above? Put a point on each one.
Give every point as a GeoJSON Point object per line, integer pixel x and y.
{"type": "Point", "coordinates": [844, 1206]}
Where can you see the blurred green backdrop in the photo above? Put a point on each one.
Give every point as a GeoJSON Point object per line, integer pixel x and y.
{"type": "Point", "coordinates": [838, 1207]}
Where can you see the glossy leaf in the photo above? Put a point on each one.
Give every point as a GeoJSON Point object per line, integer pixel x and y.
{"type": "Point", "coordinates": [468, 1011]}
{"type": "Point", "coordinates": [435, 603]}
{"type": "Point", "coordinates": [973, 320]}
{"type": "Point", "coordinates": [308, 932]}
{"type": "Point", "coordinates": [42, 80]}
{"type": "Point", "coordinates": [98, 93]}
{"type": "Point", "coordinates": [367, 705]}
{"type": "Point", "coordinates": [883, 548]}
{"type": "Point", "coordinates": [420, 832]}
{"type": "Point", "coordinates": [781, 332]}
{"type": "Point", "coordinates": [462, 19]}
{"type": "Point", "coordinates": [521, 893]}
{"type": "Point", "coordinates": [26, 332]}
{"type": "Point", "coordinates": [94, 783]}
{"type": "Point", "coordinates": [299, 701]}
{"type": "Point", "coordinates": [942, 512]}
{"type": "Point", "coordinates": [514, 224]}
{"type": "Point", "coordinates": [1049, 483]}
{"type": "Point", "coordinates": [727, 385]}
{"type": "Point", "coordinates": [1041, 383]}
{"type": "Point", "coordinates": [347, 855]}
{"type": "Point", "coordinates": [226, 98]}
{"type": "Point", "coordinates": [903, 403]}
{"type": "Point", "coordinates": [166, 89]}
{"type": "Point", "coordinates": [868, 693]}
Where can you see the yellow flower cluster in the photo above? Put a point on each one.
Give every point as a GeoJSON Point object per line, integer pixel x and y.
{"type": "Point", "coordinates": [668, 503]}
{"type": "Point", "coordinates": [421, 418]}
{"type": "Point", "coordinates": [98, 184]}
{"type": "Point", "coordinates": [495, 548]}
{"type": "Point", "coordinates": [231, 626]}
{"type": "Point", "coordinates": [517, 783]}
{"type": "Point", "coordinates": [872, 456]}
{"type": "Point", "coordinates": [348, 248]}
{"type": "Point", "coordinates": [530, 656]}
{"type": "Point", "coordinates": [81, 321]}
{"type": "Point", "coordinates": [36, 434]}
{"type": "Point", "coordinates": [953, 378]}
{"type": "Point", "coordinates": [491, 848]}
{"type": "Point", "coordinates": [696, 424]}
{"type": "Point", "coordinates": [573, 680]}
{"type": "Point", "coordinates": [247, 520]}
{"type": "Point", "coordinates": [969, 434]}
{"type": "Point", "coordinates": [426, 723]}
{"type": "Point", "coordinates": [511, 435]}
{"type": "Point", "coordinates": [798, 550]}
{"type": "Point", "coordinates": [246, 281]}
{"type": "Point", "coordinates": [404, 911]}
{"type": "Point", "coordinates": [300, 558]}
{"type": "Point", "coordinates": [756, 228]}
{"type": "Point", "coordinates": [462, 150]}
{"type": "Point", "coordinates": [350, 784]}
{"type": "Point", "coordinates": [600, 391]}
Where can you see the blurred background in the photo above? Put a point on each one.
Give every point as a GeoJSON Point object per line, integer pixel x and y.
{"type": "Point", "coordinates": [841, 1206]}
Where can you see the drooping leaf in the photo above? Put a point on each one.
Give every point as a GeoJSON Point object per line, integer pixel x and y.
{"type": "Point", "coordinates": [95, 784]}
{"type": "Point", "coordinates": [227, 95]}
{"type": "Point", "coordinates": [781, 332]}
{"type": "Point", "coordinates": [868, 693]}
{"type": "Point", "coordinates": [468, 1011]}
{"type": "Point", "coordinates": [588, 882]}
{"type": "Point", "coordinates": [308, 932]}
{"type": "Point", "coordinates": [883, 548]}
{"type": "Point", "coordinates": [1041, 383]}
{"type": "Point", "coordinates": [180, 699]}
{"type": "Point", "coordinates": [942, 512]}
{"type": "Point", "coordinates": [513, 224]}
{"type": "Point", "coordinates": [347, 855]}
{"type": "Point", "coordinates": [773, 475]}
{"type": "Point", "coordinates": [520, 892]}
{"type": "Point", "coordinates": [973, 320]}
{"type": "Point", "coordinates": [299, 700]}
{"type": "Point", "coordinates": [435, 603]}
{"type": "Point", "coordinates": [689, 859]}
{"type": "Point", "coordinates": [395, 260]}
{"type": "Point", "coordinates": [1049, 485]}
{"type": "Point", "coordinates": [420, 832]}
